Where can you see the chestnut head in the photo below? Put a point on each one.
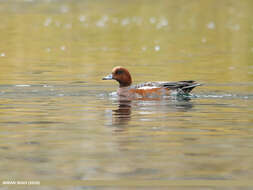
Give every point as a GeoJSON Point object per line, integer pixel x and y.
{"type": "Point", "coordinates": [121, 75]}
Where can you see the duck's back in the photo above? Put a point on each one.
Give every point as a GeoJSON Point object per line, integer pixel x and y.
{"type": "Point", "coordinates": [180, 86]}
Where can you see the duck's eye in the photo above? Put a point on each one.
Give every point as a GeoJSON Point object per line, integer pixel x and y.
{"type": "Point", "coordinates": [119, 72]}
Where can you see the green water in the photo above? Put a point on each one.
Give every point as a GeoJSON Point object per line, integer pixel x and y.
{"type": "Point", "coordinates": [59, 121]}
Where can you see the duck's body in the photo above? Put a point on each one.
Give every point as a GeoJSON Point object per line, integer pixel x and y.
{"type": "Point", "coordinates": [147, 89]}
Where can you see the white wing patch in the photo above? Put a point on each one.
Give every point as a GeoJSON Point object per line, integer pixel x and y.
{"type": "Point", "coordinates": [147, 87]}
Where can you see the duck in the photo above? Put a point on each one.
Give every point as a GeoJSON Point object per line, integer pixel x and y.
{"type": "Point", "coordinates": [148, 89]}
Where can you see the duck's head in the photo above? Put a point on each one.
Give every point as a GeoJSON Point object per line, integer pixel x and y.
{"type": "Point", "coordinates": [121, 75]}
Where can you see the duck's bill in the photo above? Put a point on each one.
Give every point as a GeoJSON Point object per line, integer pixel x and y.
{"type": "Point", "coordinates": [108, 77]}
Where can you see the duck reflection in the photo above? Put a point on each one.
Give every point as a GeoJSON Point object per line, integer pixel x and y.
{"type": "Point", "coordinates": [122, 115]}
{"type": "Point", "coordinates": [183, 105]}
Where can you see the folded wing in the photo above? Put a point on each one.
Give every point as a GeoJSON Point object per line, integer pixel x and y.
{"type": "Point", "coordinates": [180, 86]}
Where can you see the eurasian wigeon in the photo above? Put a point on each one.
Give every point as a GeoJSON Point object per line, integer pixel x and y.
{"type": "Point", "coordinates": [147, 89]}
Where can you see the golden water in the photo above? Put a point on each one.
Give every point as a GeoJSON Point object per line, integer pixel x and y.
{"type": "Point", "coordinates": [59, 121]}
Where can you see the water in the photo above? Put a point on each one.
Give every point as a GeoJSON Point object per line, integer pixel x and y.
{"type": "Point", "coordinates": [59, 121]}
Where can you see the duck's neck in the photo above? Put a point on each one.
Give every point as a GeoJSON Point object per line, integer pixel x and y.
{"type": "Point", "coordinates": [126, 83]}
{"type": "Point", "coordinates": [124, 80]}
{"type": "Point", "coordinates": [123, 85]}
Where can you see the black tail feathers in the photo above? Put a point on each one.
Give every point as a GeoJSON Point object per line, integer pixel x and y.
{"type": "Point", "coordinates": [183, 87]}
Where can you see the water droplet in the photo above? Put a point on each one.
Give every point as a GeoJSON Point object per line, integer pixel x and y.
{"type": "Point", "coordinates": [82, 18]}
{"type": "Point", "coordinates": [232, 68]}
{"type": "Point", "coordinates": [2, 54]}
{"type": "Point", "coordinates": [47, 21]}
{"type": "Point", "coordinates": [125, 21]}
{"type": "Point", "coordinates": [203, 40]}
{"type": "Point", "coordinates": [63, 48]}
{"type": "Point", "coordinates": [105, 18]}
{"type": "Point", "coordinates": [236, 27]}
{"type": "Point", "coordinates": [152, 20]}
{"type": "Point", "coordinates": [162, 23]}
{"type": "Point", "coordinates": [211, 25]}
{"type": "Point", "coordinates": [101, 23]}
{"type": "Point", "coordinates": [48, 49]}
{"type": "Point", "coordinates": [157, 48]}
{"type": "Point", "coordinates": [144, 48]}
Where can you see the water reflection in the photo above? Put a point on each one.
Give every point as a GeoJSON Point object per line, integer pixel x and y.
{"type": "Point", "coordinates": [122, 115]}
{"type": "Point", "coordinates": [183, 105]}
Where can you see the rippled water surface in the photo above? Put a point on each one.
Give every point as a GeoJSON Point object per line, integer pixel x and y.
{"type": "Point", "coordinates": [60, 121]}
